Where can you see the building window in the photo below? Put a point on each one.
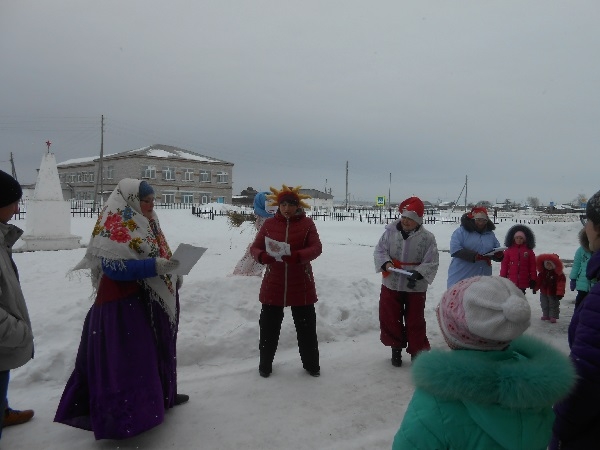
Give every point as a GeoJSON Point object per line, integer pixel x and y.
{"type": "Point", "coordinates": [168, 173]}
{"type": "Point", "coordinates": [187, 197]}
{"type": "Point", "coordinates": [91, 177]}
{"type": "Point", "coordinates": [188, 174]}
{"type": "Point", "coordinates": [222, 177]}
{"type": "Point", "coordinates": [169, 197]}
{"type": "Point", "coordinates": [79, 177]}
{"type": "Point", "coordinates": [71, 177]}
{"type": "Point", "coordinates": [204, 198]}
{"type": "Point", "coordinates": [220, 199]}
{"type": "Point", "coordinates": [149, 172]}
{"type": "Point", "coordinates": [110, 172]}
{"type": "Point", "coordinates": [205, 176]}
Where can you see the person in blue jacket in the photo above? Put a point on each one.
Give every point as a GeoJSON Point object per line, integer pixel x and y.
{"type": "Point", "coordinates": [577, 424]}
{"type": "Point", "coordinates": [247, 266]}
{"type": "Point", "coordinates": [470, 246]}
{"type": "Point", "coordinates": [578, 275]}
{"type": "Point", "coordinates": [125, 374]}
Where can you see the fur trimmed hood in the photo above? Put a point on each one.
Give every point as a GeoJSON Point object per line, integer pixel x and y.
{"type": "Point", "coordinates": [469, 224]}
{"type": "Point", "coordinates": [529, 374]}
{"type": "Point", "coordinates": [509, 240]}
{"type": "Point", "coordinates": [584, 241]}
{"type": "Point", "coordinates": [552, 257]}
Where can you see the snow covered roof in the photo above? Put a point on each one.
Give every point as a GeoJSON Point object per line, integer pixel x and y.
{"type": "Point", "coordinates": [155, 151]}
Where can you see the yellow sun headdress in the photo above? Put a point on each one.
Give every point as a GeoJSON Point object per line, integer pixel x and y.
{"type": "Point", "coordinates": [287, 193]}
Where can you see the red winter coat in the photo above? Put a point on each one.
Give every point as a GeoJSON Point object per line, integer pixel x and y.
{"type": "Point", "coordinates": [550, 282]}
{"type": "Point", "coordinates": [289, 283]}
{"type": "Point", "coordinates": [518, 265]}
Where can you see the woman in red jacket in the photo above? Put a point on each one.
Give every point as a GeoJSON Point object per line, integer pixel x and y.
{"type": "Point", "coordinates": [288, 279]}
{"type": "Point", "coordinates": [518, 264]}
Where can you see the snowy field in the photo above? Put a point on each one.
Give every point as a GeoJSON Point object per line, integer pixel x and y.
{"type": "Point", "coordinates": [357, 403]}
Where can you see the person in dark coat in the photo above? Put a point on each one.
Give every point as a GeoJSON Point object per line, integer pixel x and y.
{"type": "Point", "coordinates": [518, 264]}
{"type": "Point", "coordinates": [577, 423]}
{"type": "Point", "coordinates": [125, 374]}
{"type": "Point", "coordinates": [288, 278]}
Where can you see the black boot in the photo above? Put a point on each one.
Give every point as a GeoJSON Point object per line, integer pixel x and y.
{"type": "Point", "coordinates": [180, 399]}
{"type": "Point", "coordinates": [396, 356]}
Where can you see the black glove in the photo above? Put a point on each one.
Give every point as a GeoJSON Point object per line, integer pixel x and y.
{"type": "Point", "coordinates": [498, 256]}
{"type": "Point", "coordinates": [532, 285]}
{"type": "Point", "coordinates": [413, 278]}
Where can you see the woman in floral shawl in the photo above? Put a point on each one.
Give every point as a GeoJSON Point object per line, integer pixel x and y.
{"type": "Point", "coordinates": [125, 374]}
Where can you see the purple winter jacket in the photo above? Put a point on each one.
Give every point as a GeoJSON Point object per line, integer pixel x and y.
{"type": "Point", "coordinates": [577, 424]}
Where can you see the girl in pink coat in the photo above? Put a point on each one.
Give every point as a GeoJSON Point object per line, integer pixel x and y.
{"type": "Point", "coordinates": [518, 264]}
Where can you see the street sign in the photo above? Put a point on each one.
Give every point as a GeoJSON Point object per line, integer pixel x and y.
{"type": "Point", "coordinates": [380, 200]}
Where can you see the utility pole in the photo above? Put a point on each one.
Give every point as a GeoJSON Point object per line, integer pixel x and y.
{"type": "Point", "coordinates": [99, 176]}
{"type": "Point", "coordinates": [12, 163]}
{"type": "Point", "coordinates": [466, 190]}
{"type": "Point", "coordinates": [390, 193]}
{"type": "Point", "coordinates": [346, 185]}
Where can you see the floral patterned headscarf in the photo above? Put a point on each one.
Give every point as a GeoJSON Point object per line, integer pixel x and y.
{"type": "Point", "coordinates": [121, 233]}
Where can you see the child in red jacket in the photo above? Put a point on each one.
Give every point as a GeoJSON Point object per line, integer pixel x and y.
{"type": "Point", "coordinates": [518, 264]}
{"type": "Point", "coordinates": [551, 282]}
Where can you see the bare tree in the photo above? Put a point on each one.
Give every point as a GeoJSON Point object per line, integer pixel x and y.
{"type": "Point", "coordinates": [581, 198]}
{"type": "Point", "coordinates": [534, 202]}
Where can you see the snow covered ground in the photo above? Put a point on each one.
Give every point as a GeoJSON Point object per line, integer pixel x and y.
{"type": "Point", "coordinates": [357, 403]}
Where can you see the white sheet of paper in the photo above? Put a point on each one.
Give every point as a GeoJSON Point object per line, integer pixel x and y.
{"type": "Point", "coordinates": [494, 250]}
{"type": "Point", "coordinates": [277, 249]}
{"type": "Point", "coordinates": [402, 271]}
{"type": "Point", "coordinates": [187, 255]}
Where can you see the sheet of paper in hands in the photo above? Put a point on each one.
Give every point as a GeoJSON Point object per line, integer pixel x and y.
{"type": "Point", "coordinates": [402, 271]}
{"type": "Point", "coordinates": [277, 249]}
{"type": "Point", "coordinates": [494, 250]}
{"type": "Point", "coordinates": [187, 255]}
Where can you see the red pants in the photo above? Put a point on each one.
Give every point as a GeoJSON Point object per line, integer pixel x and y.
{"type": "Point", "coordinates": [402, 320]}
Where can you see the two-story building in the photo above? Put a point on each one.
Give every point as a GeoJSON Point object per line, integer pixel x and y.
{"type": "Point", "coordinates": [177, 175]}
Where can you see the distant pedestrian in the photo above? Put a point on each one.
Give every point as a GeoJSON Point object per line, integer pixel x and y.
{"type": "Point", "coordinates": [578, 276]}
{"type": "Point", "coordinates": [470, 246]}
{"type": "Point", "coordinates": [551, 284]}
{"type": "Point", "coordinates": [247, 265]}
{"type": "Point", "coordinates": [496, 387]}
{"type": "Point", "coordinates": [518, 264]}
{"type": "Point", "coordinates": [407, 245]}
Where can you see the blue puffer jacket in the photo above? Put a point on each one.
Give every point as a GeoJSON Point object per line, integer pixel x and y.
{"type": "Point", "coordinates": [580, 261]}
{"type": "Point", "coordinates": [577, 424]}
{"type": "Point", "coordinates": [466, 237]}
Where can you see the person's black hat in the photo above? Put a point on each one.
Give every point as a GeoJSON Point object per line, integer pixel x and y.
{"type": "Point", "coordinates": [10, 189]}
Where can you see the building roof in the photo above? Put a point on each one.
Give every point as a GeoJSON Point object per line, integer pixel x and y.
{"type": "Point", "coordinates": [153, 151]}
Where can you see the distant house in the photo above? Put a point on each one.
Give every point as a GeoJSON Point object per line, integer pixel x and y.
{"type": "Point", "coordinates": [319, 201]}
{"type": "Point", "coordinates": [177, 175]}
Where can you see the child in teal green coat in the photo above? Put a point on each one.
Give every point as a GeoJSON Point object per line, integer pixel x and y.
{"type": "Point", "coordinates": [496, 388]}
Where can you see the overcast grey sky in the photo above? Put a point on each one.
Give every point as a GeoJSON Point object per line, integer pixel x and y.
{"type": "Point", "coordinates": [505, 92]}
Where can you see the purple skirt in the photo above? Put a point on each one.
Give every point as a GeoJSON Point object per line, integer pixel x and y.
{"type": "Point", "coordinates": [125, 374]}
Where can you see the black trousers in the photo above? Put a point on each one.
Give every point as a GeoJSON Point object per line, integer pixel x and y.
{"type": "Point", "coordinates": [305, 320]}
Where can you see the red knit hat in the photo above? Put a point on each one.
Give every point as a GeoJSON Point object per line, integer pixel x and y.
{"type": "Point", "coordinates": [478, 212]}
{"type": "Point", "coordinates": [413, 208]}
